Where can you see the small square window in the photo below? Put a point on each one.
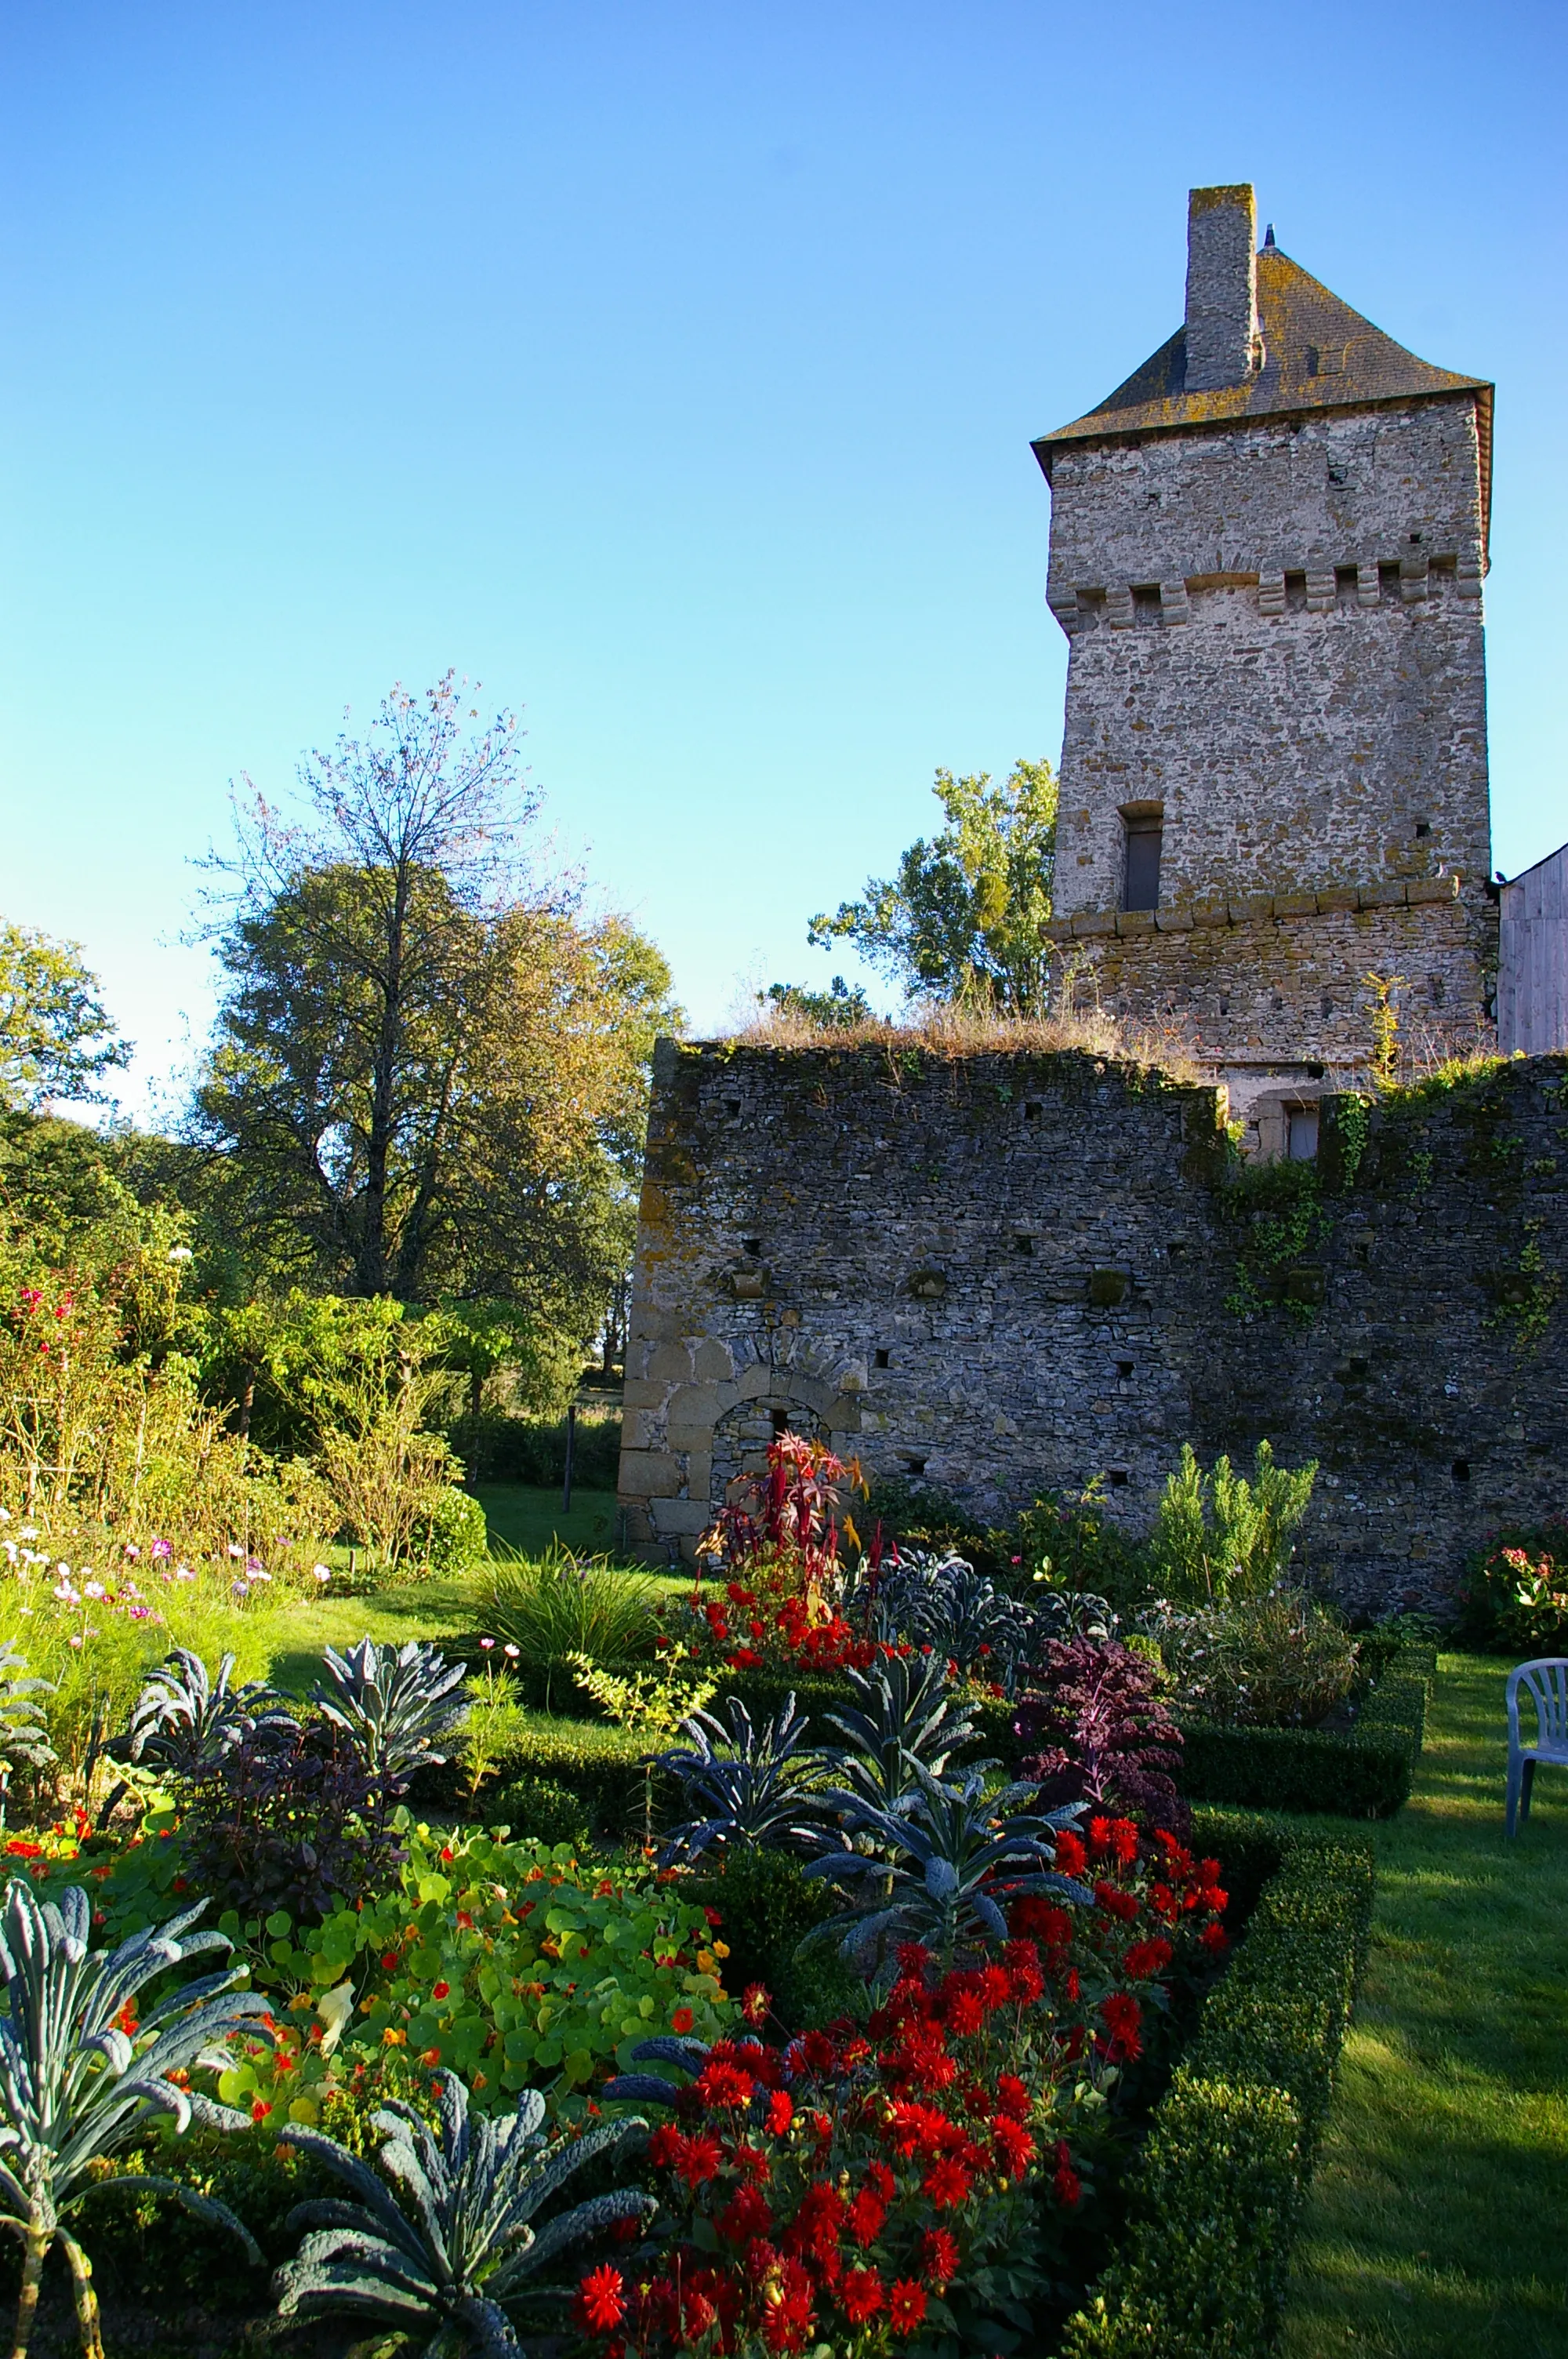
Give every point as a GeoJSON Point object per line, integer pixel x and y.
{"type": "Point", "coordinates": [1124, 1369]}
{"type": "Point", "coordinates": [1422, 828]}
{"type": "Point", "coordinates": [1118, 1477]}
{"type": "Point", "coordinates": [1023, 1244]}
{"type": "Point", "coordinates": [1033, 1110]}
{"type": "Point", "coordinates": [752, 1244]}
{"type": "Point", "coordinates": [881, 1359]}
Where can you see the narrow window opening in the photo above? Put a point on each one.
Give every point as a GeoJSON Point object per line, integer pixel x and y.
{"type": "Point", "coordinates": [914, 1461]}
{"type": "Point", "coordinates": [881, 1360]}
{"type": "Point", "coordinates": [1301, 1133]}
{"type": "Point", "coordinates": [1176, 1248]}
{"type": "Point", "coordinates": [1033, 1111]}
{"type": "Point", "coordinates": [1422, 829]}
{"type": "Point", "coordinates": [781, 1419]}
{"type": "Point", "coordinates": [1145, 828]}
{"type": "Point", "coordinates": [1124, 1369]}
{"type": "Point", "coordinates": [1359, 1366]}
{"type": "Point", "coordinates": [1021, 1245]}
{"type": "Point", "coordinates": [752, 1244]}
{"type": "Point", "coordinates": [732, 1108]}
{"type": "Point", "coordinates": [1118, 1477]}
{"type": "Point", "coordinates": [1460, 1470]}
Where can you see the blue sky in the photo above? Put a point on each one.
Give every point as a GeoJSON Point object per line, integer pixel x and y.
{"type": "Point", "coordinates": [671, 368]}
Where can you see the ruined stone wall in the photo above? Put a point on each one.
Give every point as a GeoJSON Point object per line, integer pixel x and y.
{"type": "Point", "coordinates": [1006, 1273]}
{"type": "Point", "coordinates": [1276, 637]}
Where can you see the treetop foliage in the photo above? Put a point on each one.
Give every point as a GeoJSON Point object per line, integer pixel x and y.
{"type": "Point", "coordinates": [964, 916]}
{"type": "Point", "coordinates": [55, 1037]}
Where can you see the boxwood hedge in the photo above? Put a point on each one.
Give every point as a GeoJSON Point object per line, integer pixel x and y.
{"type": "Point", "coordinates": [1216, 2192]}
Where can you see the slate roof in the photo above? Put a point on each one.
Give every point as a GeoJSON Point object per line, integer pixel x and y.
{"type": "Point", "coordinates": [1317, 355]}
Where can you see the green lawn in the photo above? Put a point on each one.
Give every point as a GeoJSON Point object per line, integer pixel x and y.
{"type": "Point", "coordinates": [520, 1516]}
{"type": "Point", "coordinates": [529, 1519]}
{"type": "Point", "coordinates": [1436, 2225]}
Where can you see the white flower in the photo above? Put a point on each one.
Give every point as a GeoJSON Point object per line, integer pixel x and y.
{"type": "Point", "coordinates": [94, 1589]}
{"type": "Point", "coordinates": [183, 1572]}
{"type": "Point", "coordinates": [10, 1548]}
{"type": "Point", "coordinates": [235, 1549]}
{"type": "Point", "coordinates": [66, 1594]}
{"type": "Point", "coordinates": [322, 1572]}
{"type": "Point", "coordinates": [29, 1532]}
{"type": "Point", "coordinates": [4, 1515]}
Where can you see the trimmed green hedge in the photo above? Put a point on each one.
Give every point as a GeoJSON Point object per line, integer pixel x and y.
{"type": "Point", "coordinates": [1216, 2192]}
{"type": "Point", "coordinates": [1363, 1773]}
{"type": "Point", "coordinates": [601, 1765]}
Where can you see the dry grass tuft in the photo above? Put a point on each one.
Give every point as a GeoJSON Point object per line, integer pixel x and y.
{"type": "Point", "coordinates": [947, 1031]}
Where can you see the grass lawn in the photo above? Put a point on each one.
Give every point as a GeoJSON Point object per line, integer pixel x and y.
{"type": "Point", "coordinates": [529, 1519]}
{"type": "Point", "coordinates": [521, 1517]}
{"type": "Point", "coordinates": [1436, 2228]}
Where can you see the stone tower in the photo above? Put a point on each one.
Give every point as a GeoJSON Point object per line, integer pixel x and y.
{"type": "Point", "coordinates": [1267, 550]}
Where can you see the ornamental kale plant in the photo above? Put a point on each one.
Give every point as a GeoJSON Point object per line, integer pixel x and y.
{"type": "Point", "coordinates": [904, 1715]}
{"type": "Point", "coordinates": [184, 1719]}
{"type": "Point", "coordinates": [80, 2077]}
{"type": "Point", "coordinates": [466, 2244]}
{"type": "Point", "coordinates": [22, 1736]}
{"type": "Point", "coordinates": [1104, 1734]}
{"type": "Point", "coordinates": [395, 1710]}
{"type": "Point", "coordinates": [743, 1784]}
{"type": "Point", "coordinates": [944, 1864]}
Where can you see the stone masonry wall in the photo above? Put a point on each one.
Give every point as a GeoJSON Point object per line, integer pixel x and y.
{"type": "Point", "coordinates": [1274, 981]}
{"type": "Point", "coordinates": [1006, 1273]}
{"type": "Point", "coordinates": [1277, 636]}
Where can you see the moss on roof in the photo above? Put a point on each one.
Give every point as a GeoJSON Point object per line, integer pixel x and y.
{"type": "Point", "coordinates": [1317, 355]}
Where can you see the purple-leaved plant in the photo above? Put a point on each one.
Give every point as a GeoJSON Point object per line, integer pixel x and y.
{"type": "Point", "coordinates": [1105, 1736]}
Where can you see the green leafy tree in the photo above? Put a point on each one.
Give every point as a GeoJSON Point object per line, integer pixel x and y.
{"type": "Point", "coordinates": [429, 1074]}
{"type": "Point", "coordinates": [55, 1037]}
{"type": "Point", "coordinates": [964, 918]}
{"type": "Point", "coordinates": [836, 1009]}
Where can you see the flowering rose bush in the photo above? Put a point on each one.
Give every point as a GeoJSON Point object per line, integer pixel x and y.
{"type": "Point", "coordinates": [1517, 1599]}
{"type": "Point", "coordinates": [874, 2186]}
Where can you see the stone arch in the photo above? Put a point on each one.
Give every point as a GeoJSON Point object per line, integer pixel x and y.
{"type": "Point", "coordinates": [741, 1435]}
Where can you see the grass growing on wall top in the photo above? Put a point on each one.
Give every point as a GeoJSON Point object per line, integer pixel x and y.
{"type": "Point", "coordinates": [1435, 2226]}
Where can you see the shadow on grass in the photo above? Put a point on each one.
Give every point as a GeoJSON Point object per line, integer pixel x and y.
{"type": "Point", "coordinates": [1435, 2223]}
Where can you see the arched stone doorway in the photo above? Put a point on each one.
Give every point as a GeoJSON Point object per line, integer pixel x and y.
{"type": "Point", "coordinates": [741, 1438]}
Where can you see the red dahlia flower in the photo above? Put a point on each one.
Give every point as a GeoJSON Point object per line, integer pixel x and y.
{"type": "Point", "coordinates": [1122, 2015]}
{"type": "Point", "coordinates": [601, 2301]}
{"type": "Point", "coordinates": [906, 2306]}
{"type": "Point", "coordinates": [1012, 2096]}
{"type": "Point", "coordinates": [946, 2183]}
{"type": "Point", "coordinates": [723, 2087]}
{"type": "Point", "coordinates": [861, 2295]}
{"type": "Point", "coordinates": [939, 2254]}
{"type": "Point", "coordinates": [698, 2158]}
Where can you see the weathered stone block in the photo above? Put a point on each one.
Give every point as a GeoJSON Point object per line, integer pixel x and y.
{"type": "Point", "coordinates": [649, 1474]}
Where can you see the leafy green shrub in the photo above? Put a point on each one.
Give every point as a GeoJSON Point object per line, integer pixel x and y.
{"type": "Point", "coordinates": [1515, 1598]}
{"type": "Point", "coordinates": [764, 1906]}
{"type": "Point", "coordinates": [536, 1810]}
{"type": "Point", "coordinates": [496, 1448]}
{"type": "Point", "coordinates": [601, 1765]}
{"type": "Point", "coordinates": [1218, 2190]}
{"type": "Point", "coordinates": [1364, 1772]}
{"type": "Point", "coordinates": [453, 1530]}
{"type": "Point", "coordinates": [1068, 1542]}
{"type": "Point", "coordinates": [1278, 1662]}
{"type": "Point", "coordinates": [561, 1604]}
{"type": "Point", "coordinates": [1219, 1536]}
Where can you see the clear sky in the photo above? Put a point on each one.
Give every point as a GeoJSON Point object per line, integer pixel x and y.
{"type": "Point", "coordinates": [671, 368]}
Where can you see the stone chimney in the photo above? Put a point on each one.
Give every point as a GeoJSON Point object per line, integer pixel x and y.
{"type": "Point", "coordinates": [1222, 287]}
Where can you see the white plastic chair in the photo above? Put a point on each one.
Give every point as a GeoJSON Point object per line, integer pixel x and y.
{"type": "Point", "coordinates": [1547, 1681]}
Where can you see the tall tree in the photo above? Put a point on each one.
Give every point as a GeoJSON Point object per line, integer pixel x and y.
{"type": "Point", "coordinates": [55, 1037]}
{"type": "Point", "coordinates": [964, 918]}
{"type": "Point", "coordinates": [428, 1070]}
